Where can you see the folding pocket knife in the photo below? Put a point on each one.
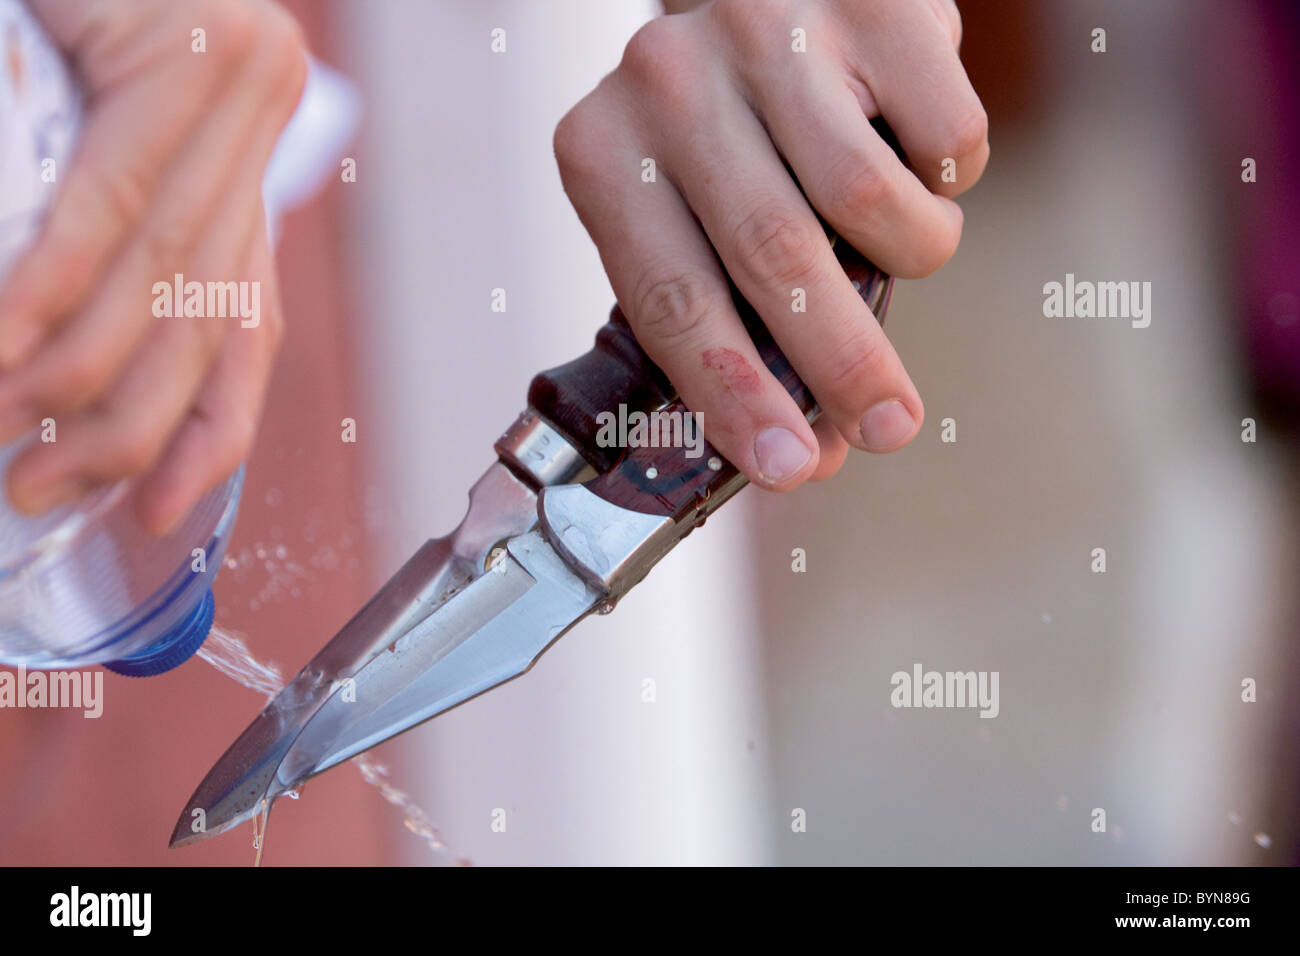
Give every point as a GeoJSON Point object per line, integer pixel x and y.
{"type": "Point", "coordinates": [560, 526]}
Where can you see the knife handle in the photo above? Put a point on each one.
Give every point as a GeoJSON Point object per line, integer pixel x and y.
{"type": "Point", "coordinates": [664, 481]}
{"type": "Point", "coordinates": [615, 372]}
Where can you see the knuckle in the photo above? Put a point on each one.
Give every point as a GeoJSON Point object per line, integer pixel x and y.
{"type": "Point", "coordinates": [73, 252]}
{"type": "Point", "coordinates": [169, 245]}
{"type": "Point", "coordinates": [853, 365]}
{"type": "Point", "coordinates": [134, 452]}
{"type": "Point", "coordinates": [659, 75]}
{"type": "Point", "coordinates": [283, 47]}
{"type": "Point", "coordinates": [774, 244]}
{"type": "Point", "coordinates": [125, 194]}
{"type": "Point", "coordinates": [575, 143]}
{"type": "Point", "coordinates": [565, 143]}
{"type": "Point", "coordinates": [672, 309]}
{"type": "Point", "coordinates": [211, 335]}
{"type": "Point", "coordinates": [857, 187]}
{"type": "Point", "coordinates": [295, 78]}
{"type": "Point", "coordinates": [950, 17]}
{"type": "Point", "coordinates": [749, 22]}
{"type": "Point", "coordinates": [655, 52]}
{"type": "Point", "coordinates": [79, 381]}
{"type": "Point", "coordinates": [233, 28]}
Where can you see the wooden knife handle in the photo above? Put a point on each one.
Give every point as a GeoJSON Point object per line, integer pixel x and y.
{"type": "Point", "coordinates": [665, 481]}
{"type": "Point", "coordinates": [616, 371]}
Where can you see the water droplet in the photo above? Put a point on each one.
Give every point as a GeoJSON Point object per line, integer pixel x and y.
{"type": "Point", "coordinates": [652, 472]}
{"type": "Point", "coordinates": [1264, 840]}
{"type": "Point", "coordinates": [282, 552]}
{"type": "Point", "coordinates": [226, 651]}
{"type": "Point", "coordinates": [259, 829]}
{"type": "Point", "coordinates": [715, 463]}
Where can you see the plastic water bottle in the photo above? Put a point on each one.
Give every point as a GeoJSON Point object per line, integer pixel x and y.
{"type": "Point", "coordinates": [85, 584]}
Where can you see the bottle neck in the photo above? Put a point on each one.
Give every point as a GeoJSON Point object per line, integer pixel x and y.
{"type": "Point", "coordinates": [175, 647]}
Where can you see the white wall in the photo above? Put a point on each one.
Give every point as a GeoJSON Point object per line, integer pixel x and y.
{"type": "Point", "coordinates": [458, 194]}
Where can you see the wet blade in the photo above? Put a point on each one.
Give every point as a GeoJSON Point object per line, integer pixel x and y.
{"type": "Point", "coordinates": [485, 634]}
{"type": "Point", "coordinates": [500, 507]}
{"type": "Point", "coordinates": [482, 637]}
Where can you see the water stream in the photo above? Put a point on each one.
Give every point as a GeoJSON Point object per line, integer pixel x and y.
{"type": "Point", "coordinates": [228, 652]}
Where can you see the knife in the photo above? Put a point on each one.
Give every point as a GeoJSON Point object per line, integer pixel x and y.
{"type": "Point", "coordinates": [559, 527]}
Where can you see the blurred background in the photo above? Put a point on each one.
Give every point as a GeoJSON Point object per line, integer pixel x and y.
{"type": "Point", "coordinates": [1120, 691]}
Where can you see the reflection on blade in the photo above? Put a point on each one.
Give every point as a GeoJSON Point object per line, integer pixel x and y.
{"type": "Point", "coordinates": [485, 634]}
{"type": "Point", "coordinates": [501, 507]}
{"type": "Point", "coordinates": [490, 632]}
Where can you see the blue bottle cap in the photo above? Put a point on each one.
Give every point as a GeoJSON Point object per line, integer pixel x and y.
{"type": "Point", "coordinates": [174, 648]}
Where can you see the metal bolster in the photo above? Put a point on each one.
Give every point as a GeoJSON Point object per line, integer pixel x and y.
{"type": "Point", "coordinates": [539, 454]}
{"type": "Point", "coordinates": [612, 548]}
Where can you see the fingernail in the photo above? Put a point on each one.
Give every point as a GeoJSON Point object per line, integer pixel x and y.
{"type": "Point", "coordinates": [780, 454]}
{"type": "Point", "coordinates": [886, 426]}
{"type": "Point", "coordinates": [40, 498]}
